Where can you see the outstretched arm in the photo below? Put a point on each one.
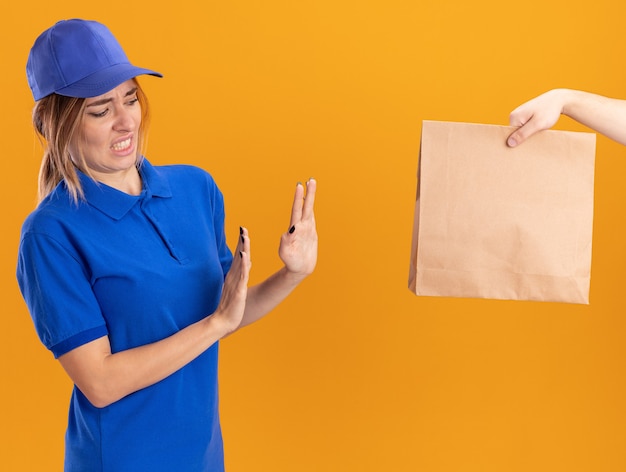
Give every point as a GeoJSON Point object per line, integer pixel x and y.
{"type": "Point", "coordinates": [605, 115]}
{"type": "Point", "coordinates": [298, 251]}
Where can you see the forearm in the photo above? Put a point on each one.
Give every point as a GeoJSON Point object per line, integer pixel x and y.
{"type": "Point", "coordinates": [267, 295]}
{"type": "Point", "coordinates": [605, 115]}
{"type": "Point", "coordinates": [134, 369]}
{"type": "Point", "coordinates": [105, 377]}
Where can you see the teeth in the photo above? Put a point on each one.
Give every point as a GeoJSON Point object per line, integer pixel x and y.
{"type": "Point", "coordinates": [121, 145]}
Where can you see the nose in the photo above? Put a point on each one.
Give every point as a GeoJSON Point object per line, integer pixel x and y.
{"type": "Point", "coordinates": [125, 119]}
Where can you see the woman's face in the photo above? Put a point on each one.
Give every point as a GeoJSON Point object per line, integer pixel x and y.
{"type": "Point", "coordinates": [108, 134]}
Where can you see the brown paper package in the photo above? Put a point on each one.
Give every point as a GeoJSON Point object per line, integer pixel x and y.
{"type": "Point", "coordinates": [503, 223]}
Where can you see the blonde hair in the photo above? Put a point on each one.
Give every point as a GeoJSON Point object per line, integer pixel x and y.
{"type": "Point", "coordinates": [56, 119]}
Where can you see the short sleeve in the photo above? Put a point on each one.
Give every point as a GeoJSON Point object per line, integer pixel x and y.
{"type": "Point", "coordinates": [58, 294]}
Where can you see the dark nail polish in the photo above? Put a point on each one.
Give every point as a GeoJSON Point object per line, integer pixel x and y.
{"type": "Point", "coordinates": [240, 230]}
{"type": "Point", "coordinates": [242, 240]}
{"type": "Point", "coordinates": [240, 254]}
{"type": "Point", "coordinates": [292, 229]}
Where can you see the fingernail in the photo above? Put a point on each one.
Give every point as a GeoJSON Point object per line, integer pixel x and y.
{"type": "Point", "coordinates": [242, 240]}
{"type": "Point", "coordinates": [240, 230]}
{"type": "Point", "coordinates": [511, 142]}
{"type": "Point", "coordinates": [240, 254]}
{"type": "Point", "coordinates": [292, 229]}
{"type": "Point", "coordinates": [299, 183]}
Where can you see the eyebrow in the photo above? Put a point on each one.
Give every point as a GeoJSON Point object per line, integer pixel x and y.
{"type": "Point", "coordinates": [107, 100]}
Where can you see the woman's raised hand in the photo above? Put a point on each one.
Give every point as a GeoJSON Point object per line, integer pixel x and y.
{"type": "Point", "coordinates": [232, 305]}
{"type": "Point", "coordinates": [298, 245]}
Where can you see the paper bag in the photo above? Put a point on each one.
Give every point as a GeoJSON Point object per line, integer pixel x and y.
{"type": "Point", "coordinates": [499, 222]}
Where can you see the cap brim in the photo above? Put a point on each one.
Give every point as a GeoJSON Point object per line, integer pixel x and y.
{"type": "Point", "coordinates": [104, 81]}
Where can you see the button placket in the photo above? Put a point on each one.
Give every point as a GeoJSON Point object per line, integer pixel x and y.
{"type": "Point", "coordinates": [161, 231]}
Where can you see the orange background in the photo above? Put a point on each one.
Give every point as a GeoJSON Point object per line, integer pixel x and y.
{"type": "Point", "coordinates": [353, 372]}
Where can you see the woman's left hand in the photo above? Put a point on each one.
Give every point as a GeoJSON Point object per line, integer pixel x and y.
{"type": "Point", "coordinates": [298, 245]}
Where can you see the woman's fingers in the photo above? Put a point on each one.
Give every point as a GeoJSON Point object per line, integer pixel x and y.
{"type": "Point", "coordinates": [302, 207]}
{"type": "Point", "coordinates": [296, 207]}
{"type": "Point", "coordinates": [243, 245]}
{"type": "Point", "coordinates": [309, 199]}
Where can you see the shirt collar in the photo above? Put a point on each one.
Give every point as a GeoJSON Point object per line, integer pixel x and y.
{"type": "Point", "coordinates": [115, 203]}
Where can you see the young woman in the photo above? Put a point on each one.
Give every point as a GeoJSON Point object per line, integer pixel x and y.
{"type": "Point", "coordinates": [125, 269]}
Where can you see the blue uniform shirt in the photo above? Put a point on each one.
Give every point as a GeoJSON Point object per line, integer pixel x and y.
{"type": "Point", "coordinates": [138, 269]}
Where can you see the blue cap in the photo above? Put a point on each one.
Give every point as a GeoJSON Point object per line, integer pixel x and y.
{"type": "Point", "coordinates": [78, 58]}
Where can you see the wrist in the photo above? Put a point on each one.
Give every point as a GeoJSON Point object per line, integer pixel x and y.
{"type": "Point", "coordinates": [292, 277]}
{"type": "Point", "coordinates": [218, 326]}
{"type": "Point", "coordinates": [568, 100]}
